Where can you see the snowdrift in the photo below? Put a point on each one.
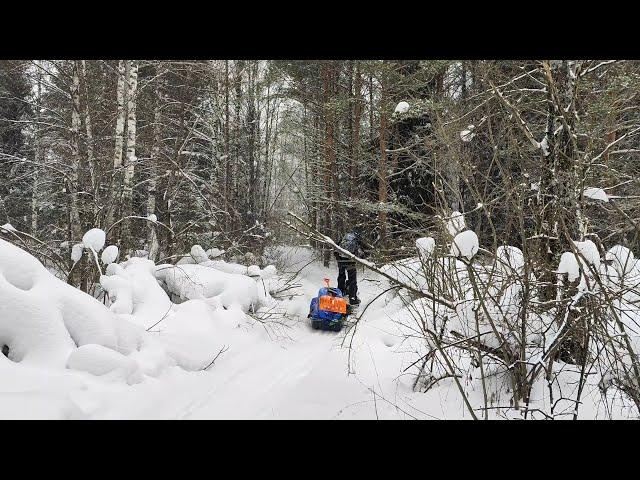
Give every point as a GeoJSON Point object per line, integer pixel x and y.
{"type": "Point", "coordinates": [47, 323]}
{"type": "Point", "coordinates": [229, 284]}
{"type": "Point", "coordinates": [43, 319]}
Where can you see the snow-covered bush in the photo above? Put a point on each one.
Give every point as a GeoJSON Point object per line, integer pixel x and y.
{"type": "Point", "coordinates": [510, 259]}
{"type": "Point", "coordinates": [76, 252]}
{"type": "Point", "coordinates": [43, 319]}
{"type": "Point", "coordinates": [467, 134]}
{"type": "Point", "coordinates": [402, 107]}
{"type": "Point", "coordinates": [47, 323]}
{"type": "Point", "coordinates": [465, 244]}
{"type": "Point", "coordinates": [455, 224]}
{"type": "Point", "coordinates": [201, 281]}
{"type": "Point", "coordinates": [109, 255]}
{"type": "Point", "coordinates": [94, 238]}
{"type": "Point", "coordinates": [425, 246]}
{"type": "Point", "coordinates": [198, 254]}
{"type": "Point", "coordinates": [594, 193]}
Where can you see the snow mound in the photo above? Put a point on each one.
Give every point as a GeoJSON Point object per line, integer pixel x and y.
{"type": "Point", "coordinates": [510, 259]}
{"type": "Point", "coordinates": [203, 282]}
{"type": "Point", "coordinates": [425, 246]}
{"type": "Point", "coordinates": [120, 293]}
{"type": "Point", "coordinates": [456, 224]}
{"type": "Point", "coordinates": [94, 238]}
{"type": "Point", "coordinates": [42, 319]}
{"type": "Point", "coordinates": [153, 217]}
{"type": "Point", "coordinates": [98, 360]}
{"type": "Point", "coordinates": [76, 252]}
{"type": "Point", "coordinates": [109, 254]}
{"type": "Point", "coordinates": [465, 244]}
{"type": "Point", "coordinates": [622, 264]}
{"type": "Point", "coordinates": [227, 267]}
{"type": "Point", "coordinates": [590, 252]}
{"type": "Point", "coordinates": [198, 254]}
{"type": "Point", "coordinates": [402, 107]}
{"type": "Point", "coordinates": [580, 265]}
{"type": "Point", "coordinates": [595, 194]}
{"type": "Point", "coordinates": [622, 258]}
{"type": "Point", "coordinates": [214, 252]}
{"type": "Point", "coordinates": [569, 265]}
{"type": "Point", "coordinates": [268, 272]}
{"type": "Point", "coordinates": [134, 290]}
{"type": "Point", "coordinates": [253, 271]}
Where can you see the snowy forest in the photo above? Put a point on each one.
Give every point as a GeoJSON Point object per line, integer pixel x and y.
{"type": "Point", "coordinates": [166, 226]}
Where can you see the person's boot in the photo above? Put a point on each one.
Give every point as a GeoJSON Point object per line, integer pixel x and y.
{"type": "Point", "coordinates": [354, 301]}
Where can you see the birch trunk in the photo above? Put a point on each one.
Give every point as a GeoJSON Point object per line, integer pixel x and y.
{"type": "Point", "coordinates": [74, 212]}
{"type": "Point", "coordinates": [127, 184]}
{"type": "Point", "coordinates": [117, 155]}
{"type": "Point", "coordinates": [152, 239]}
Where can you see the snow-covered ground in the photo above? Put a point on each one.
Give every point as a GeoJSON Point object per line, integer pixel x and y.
{"type": "Point", "coordinates": [144, 356]}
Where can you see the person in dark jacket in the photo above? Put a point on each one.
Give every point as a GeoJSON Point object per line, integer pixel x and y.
{"type": "Point", "coordinates": [347, 277]}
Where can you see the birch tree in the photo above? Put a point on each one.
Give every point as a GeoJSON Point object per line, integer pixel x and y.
{"type": "Point", "coordinates": [131, 159]}
{"type": "Point", "coordinates": [114, 185]}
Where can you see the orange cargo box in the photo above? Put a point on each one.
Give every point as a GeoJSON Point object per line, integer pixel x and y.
{"type": "Point", "coordinates": [332, 304]}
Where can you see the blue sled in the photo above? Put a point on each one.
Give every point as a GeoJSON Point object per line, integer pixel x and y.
{"type": "Point", "coordinates": [322, 319]}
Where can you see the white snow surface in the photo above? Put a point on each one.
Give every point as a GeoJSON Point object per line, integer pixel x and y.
{"type": "Point", "coordinates": [595, 194]}
{"type": "Point", "coordinates": [42, 319]}
{"type": "Point", "coordinates": [402, 107]}
{"type": "Point", "coordinates": [621, 258]}
{"type": "Point", "coordinates": [253, 271]}
{"type": "Point", "coordinates": [71, 357]}
{"type": "Point", "coordinates": [569, 265]}
{"type": "Point", "coordinates": [214, 252]}
{"type": "Point", "coordinates": [198, 254]}
{"type": "Point", "coordinates": [94, 238]}
{"type": "Point", "coordinates": [465, 244]}
{"type": "Point", "coordinates": [425, 246]}
{"type": "Point", "coordinates": [455, 224]}
{"type": "Point", "coordinates": [510, 259]}
{"type": "Point", "coordinates": [98, 360]}
{"type": "Point", "coordinates": [8, 227]}
{"type": "Point", "coordinates": [76, 252]}
{"type": "Point", "coordinates": [590, 252]}
{"type": "Point", "coordinates": [205, 282]}
{"type": "Point", "coordinates": [109, 254]}
{"type": "Point", "coordinates": [467, 134]}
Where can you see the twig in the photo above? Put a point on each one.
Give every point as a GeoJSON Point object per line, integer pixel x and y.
{"type": "Point", "coordinates": [222, 350]}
